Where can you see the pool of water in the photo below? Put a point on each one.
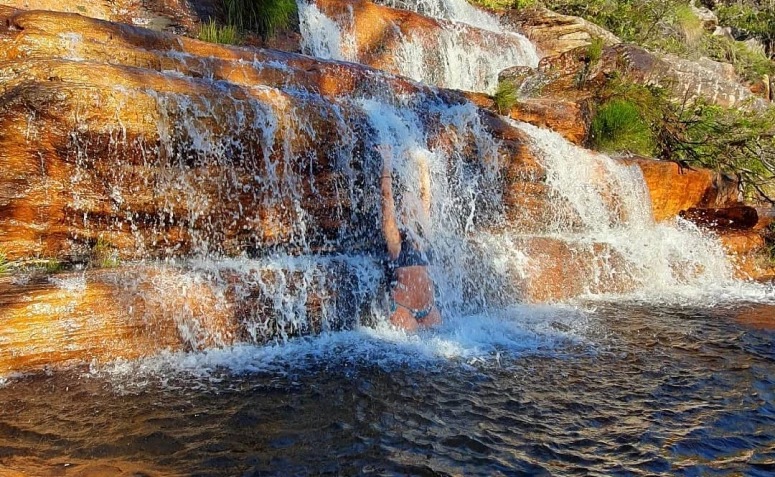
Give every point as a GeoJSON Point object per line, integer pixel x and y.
{"type": "Point", "coordinates": [595, 389]}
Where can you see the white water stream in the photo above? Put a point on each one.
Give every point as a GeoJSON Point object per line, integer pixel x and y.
{"type": "Point", "coordinates": [465, 51]}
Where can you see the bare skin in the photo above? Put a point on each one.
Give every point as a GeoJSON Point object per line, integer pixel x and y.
{"type": "Point", "coordinates": [414, 288]}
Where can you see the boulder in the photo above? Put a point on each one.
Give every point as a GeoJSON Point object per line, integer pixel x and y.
{"type": "Point", "coordinates": [708, 19]}
{"type": "Point", "coordinates": [172, 15]}
{"type": "Point", "coordinates": [739, 217]}
{"type": "Point", "coordinates": [554, 33]}
{"type": "Point", "coordinates": [564, 117]}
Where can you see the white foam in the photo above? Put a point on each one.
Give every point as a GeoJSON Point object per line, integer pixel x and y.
{"type": "Point", "coordinates": [483, 339]}
{"type": "Point", "coordinates": [596, 200]}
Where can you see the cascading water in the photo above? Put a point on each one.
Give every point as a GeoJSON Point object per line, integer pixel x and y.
{"type": "Point", "coordinates": [453, 10]}
{"type": "Point", "coordinates": [453, 55]}
{"type": "Point", "coordinates": [598, 204]}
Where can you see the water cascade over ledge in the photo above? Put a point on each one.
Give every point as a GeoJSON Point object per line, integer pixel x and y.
{"type": "Point", "coordinates": [238, 191]}
{"type": "Point", "coordinates": [445, 52]}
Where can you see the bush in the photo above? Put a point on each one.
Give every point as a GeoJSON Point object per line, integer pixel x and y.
{"type": "Point", "coordinates": [670, 26]}
{"type": "Point", "coordinates": [506, 96]}
{"type": "Point", "coordinates": [733, 141]}
{"type": "Point", "coordinates": [213, 33]}
{"type": "Point", "coordinates": [749, 65]}
{"type": "Point", "coordinates": [263, 16]}
{"type": "Point", "coordinates": [619, 127]}
{"type": "Point", "coordinates": [752, 18]}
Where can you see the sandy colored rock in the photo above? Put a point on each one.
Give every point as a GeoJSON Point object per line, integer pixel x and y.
{"type": "Point", "coordinates": [374, 35]}
{"type": "Point", "coordinates": [138, 311]}
{"type": "Point", "coordinates": [173, 15]}
{"type": "Point", "coordinates": [573, 77]}
{"type": "Point", "coordinates": [554, 33]}
{"type": "Point", "coordinates": [65, 105]}
{"type": "Point", "coordinates": [739, 242]}
{"type": "Point", "coordinates": [556, 270]}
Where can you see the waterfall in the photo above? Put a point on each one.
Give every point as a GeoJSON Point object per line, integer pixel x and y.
{"type": "Point", "coordinates": [452, 55]}
{"type": "Point", "coordinates": [602, 206]}
{"type": "Point", "coordinates": [453, 10]}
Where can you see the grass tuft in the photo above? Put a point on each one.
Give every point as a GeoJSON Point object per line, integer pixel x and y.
{"type": "Point", "coordinates": [104, 254]}
{"type": "Point", "coordinates": [595, 50]}
{"type": "Point", "coordinates": [4, 265]}
{"type": "Point", "coordinates": [214, 33]}
{"type": "Point", "coordinates": [506, 96]}
{"type": "Point", "coordinates": [263, 16]}
{"type": "Point", "coordinates": [619, 127]}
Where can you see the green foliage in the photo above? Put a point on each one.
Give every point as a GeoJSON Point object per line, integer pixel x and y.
{"type": "Point", "coordinates": [734, 141]}
{"type": "Point", "coordinates": [104, 254]}
{"type": "Point", "coordinates": [670, 26]}
{"type": "Point", "coordinates": [214, 33]}
{"type": "Point", "coordinates": [52, 266]}
{"type": "Point", "coordinates": [619, 127]}
{"type": "Point", "coordinates": [263, 16]}
{"type": "Point", "coordinates": [755, 18]}
{"type": "Point", "coordinates": [750, 65]}
{"type": "Point", "coordinates": [506, 96]}
{"type": "Point", "coordinates": [595, 50]}
{"type": "Point", "coordinates": [4, 266]}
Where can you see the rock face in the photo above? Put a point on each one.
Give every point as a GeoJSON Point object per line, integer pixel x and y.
{"type": "Point", "coordinates": [554, 33]}
{"type": "Point", "coordinates": [230, 181]}
{"type": "Point", "coordinates": [153, 146]}
{"type": "Point", "coordinates": [674, 189]}
{"type": "Point", "coordinates": [161, 194]}
{"type": "Point", "coordinates": [560, 76]}
{"type": "Point", "coordinates": [137, 311]}
{"type": "Point", "coordinates": [173, 15]}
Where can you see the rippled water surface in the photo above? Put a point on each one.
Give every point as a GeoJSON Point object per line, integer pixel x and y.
{"type": "Point", "coordinates": [607, 390]}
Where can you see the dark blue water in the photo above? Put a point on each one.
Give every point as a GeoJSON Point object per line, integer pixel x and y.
{"type": "Point", "coordinates": [637, 390]}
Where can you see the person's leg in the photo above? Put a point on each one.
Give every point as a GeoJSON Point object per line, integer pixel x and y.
{"type": "Point", "coordinates": [403, 318]}
{"type": "Point", "coordinates": [432, 319]}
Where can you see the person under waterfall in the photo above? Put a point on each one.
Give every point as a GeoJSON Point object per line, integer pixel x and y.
{"type": "Point", "coordinates": [412, 301]}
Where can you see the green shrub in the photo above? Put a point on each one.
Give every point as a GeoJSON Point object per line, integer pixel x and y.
{"type": "Point", "coordinates": [688, 24]}
{"type": "Point", "coordinates": [619, 127]}
{"type": "Point", "coordinates": [263, 16]}
{"type": "Point", "coordinates": [506, 96]}
{"type": "Point", "coordinates": [755, 18]}
{"type": "Point", "coordinates": [749, 65]}
{"type": "Point", "coordinates": [213, 33]}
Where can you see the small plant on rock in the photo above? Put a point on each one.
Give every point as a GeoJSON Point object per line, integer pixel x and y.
{"type": "Point", "coordinates": [4, 266]}
{"type": "Point", "coordinates": [104, 254]}
{"type": "Point", "coordinates": [214, 33]}
{"type": "Point", "coordinates": [506, 96]}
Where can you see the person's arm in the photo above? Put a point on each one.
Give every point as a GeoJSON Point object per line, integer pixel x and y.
{"type": "Point", "coordinates": [389, 223]}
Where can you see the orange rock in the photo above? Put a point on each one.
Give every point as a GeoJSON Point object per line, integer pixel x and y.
{"type": "Point", "coordinates": [674, 188]}
{"type": "Point", "coordinates": [557, 270]}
